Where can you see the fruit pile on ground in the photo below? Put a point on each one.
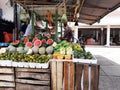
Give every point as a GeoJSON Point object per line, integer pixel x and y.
{"type": "Point", "coordinates": [17, 57]}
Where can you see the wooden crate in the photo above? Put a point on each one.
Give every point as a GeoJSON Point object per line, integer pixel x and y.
{"type": "Point", "coordinates": [32, 79]}
{"type": "Point", "coordinates": [7, 79]}
{"type": "Point", "coordinates": [56, 75]}
{"type": "Point", "coordinates": [62, 75]}
{"type": "Point", "coordinates": [67, 75]}
{"type": "Point", "coordinates": [86, 76]}
{"type": "Point", "coordinates": [7, 88]}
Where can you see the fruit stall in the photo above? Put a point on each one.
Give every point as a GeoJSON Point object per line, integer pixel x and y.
{"type": "Point", "coordinates": [41, 60]}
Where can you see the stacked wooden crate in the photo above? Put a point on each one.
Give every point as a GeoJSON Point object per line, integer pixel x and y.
{"type": "Point", "coordinates": [7, 78]}
{"type": "Point", "coordinates": [67, 75]}
{"type": "Point", "coordinates": [32, 79]}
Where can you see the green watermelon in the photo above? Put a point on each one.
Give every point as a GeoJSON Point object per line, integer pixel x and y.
{"type": "Point", "coordinates": [37, 43]}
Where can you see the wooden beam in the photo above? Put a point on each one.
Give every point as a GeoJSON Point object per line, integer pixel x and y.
{"type": "Point", "coordinates": [78, 8]}
{"type": "Point", "coordinates": [36, 2]}
{"type": "Point", "coordinates": [70, 5]}
{"type": "Point", "coordinates": [95, 7]}
{"type": "Point", "coordinates": [87, 19]}
{"type": "Point", "coordinates": [88, 15]}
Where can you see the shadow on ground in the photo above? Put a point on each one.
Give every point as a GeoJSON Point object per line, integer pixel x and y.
{"type": "Point", "coordinates": [109, 78]}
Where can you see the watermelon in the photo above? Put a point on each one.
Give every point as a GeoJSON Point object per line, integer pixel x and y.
{"type": "Point", "coordinates": [16, 43]}
{"type": "Point", "coordinates": [26, 39]}
{"type": "Point", "coordinates": [29, 44]}
{"type": "Point", "coordinates": [37, 43]}
{"type": "Point", "coordinates": [34, 39]}
{"type": "Point", "coordinates": [43, 41]}
{"type": "Point", "coordinates": [49, 41]}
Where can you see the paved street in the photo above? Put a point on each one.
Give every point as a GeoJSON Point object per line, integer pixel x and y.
{"type": "Point", "coordinates": [109, 60]}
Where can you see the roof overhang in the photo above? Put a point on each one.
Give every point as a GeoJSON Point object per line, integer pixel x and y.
{"type": "Point", "coordinates": [90, 11]}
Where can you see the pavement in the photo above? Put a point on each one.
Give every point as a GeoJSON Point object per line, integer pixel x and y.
{"type": "Point", "coordinates": [109, 61]}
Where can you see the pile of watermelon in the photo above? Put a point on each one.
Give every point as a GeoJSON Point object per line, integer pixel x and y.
{"type": "Point", "coordinates": [32, 45]}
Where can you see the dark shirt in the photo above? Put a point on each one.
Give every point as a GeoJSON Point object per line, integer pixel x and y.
{"type": "Point", "coordinates": [23, 27]}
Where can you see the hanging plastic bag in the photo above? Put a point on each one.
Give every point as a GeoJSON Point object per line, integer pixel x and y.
{"type": "Point", "coordinates": [64, 18]}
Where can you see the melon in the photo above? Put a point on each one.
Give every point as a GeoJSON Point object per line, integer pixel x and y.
{"type": "Point", "coordinates": [19, 48]}
{"type": "Point", "coordinates": [26, 48]}
{"type": "Point", "coordinates": [49, 50]}
{"type": "Point", "coordinates": [22, 51]}
{"type": "Point", "coordinates": [29, 52]}
{"type": "Point", "coordinates": [42, 50]}
{"type": "Point", "coordinates": [10, 46]}
{"type": "Point", "coordinates": [34, 39]}
{"type": "Point", "coordinates": [43, 41]}
{"type": "Point", "coordinates": [26, 39]}
{"type": "Point", "coordinates": [35, 49]}
{"type": "Point", "coordinates": [16, 42]}
{"type": "Point", "coordinates": [12, 49]}
{"type": "Point", "coordinates": [29, 44]}
{"type": "Point", "coordinates": [49, 41]}
{"type": "Point", "coordinates": [37, 43]}
{"type": "Point", "coordinates": [50, 56]}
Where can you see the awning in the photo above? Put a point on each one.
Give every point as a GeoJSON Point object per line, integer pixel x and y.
{"type": "Point", "coordinates": [85, 11]}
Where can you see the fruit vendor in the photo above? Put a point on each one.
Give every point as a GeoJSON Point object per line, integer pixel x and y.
{"type": "Point", "coordinates": [28, 29]}
{"type": "Point", "coordinates": [68, 34]}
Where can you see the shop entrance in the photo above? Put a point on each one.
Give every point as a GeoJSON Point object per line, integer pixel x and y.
{"type": "Point", "coordinates": [98, 36]}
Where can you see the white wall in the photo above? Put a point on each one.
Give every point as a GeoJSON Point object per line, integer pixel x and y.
{"type": "Point", "coordinates": [7, 10]}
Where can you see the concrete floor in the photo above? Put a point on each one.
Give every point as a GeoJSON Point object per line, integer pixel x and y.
{"type": "Point", "coordinates": [109, 61]}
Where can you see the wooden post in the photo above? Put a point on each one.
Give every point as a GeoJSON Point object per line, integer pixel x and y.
{"type": "Point", "coordinates": [61, 30]}
{"type": "Point", "coordinates": [32, 14]}
{"type": "Point", "coordinates": [56, 25]}
{"type": "Point", "coordinates": [15, 31]}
